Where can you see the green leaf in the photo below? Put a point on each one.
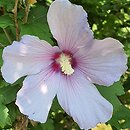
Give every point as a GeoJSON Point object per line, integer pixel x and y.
{"type": "Point", "coordinates": [5, 21]}
{"type": "Point", "coordinates": [121, 118]}
{"type": "Point", "coordinates": [9, 93]}
{"type": "Point", "coordinates": [13, 111]}
{"type": "Point", "coordinates": [37, 24]}
{"type": "Point", "coordinates": [4, 116]}
{"type": "Point", "coordinates": [8, 4]}
{"type": "Point", "coordinates": [37, 13]}
{"type": "Point", "coordinates": [111, 93]}
{"type": "Point", "coordinates": [44, 126]}
{"type": "Point", "coordinates": [1, 61]}
{"type": "Point", "coordinates": [48, 125]}
{"type": "Point", "coordinates": [55, 106]}
{"type": "Point", "coordinates": [121, 114]}
{"type": "Point", "coordinates": [38, 29]}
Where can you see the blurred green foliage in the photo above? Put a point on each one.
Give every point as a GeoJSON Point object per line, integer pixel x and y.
{"type": "Point", "coordinates": [108, 18]}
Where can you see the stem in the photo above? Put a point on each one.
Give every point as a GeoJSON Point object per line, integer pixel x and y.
{"type": "Point", "coordinates": [15, 19]}
{"type": "Point", "coordinates": [2, 45]}
{"type": "Point", "coordinates": [7, 35]}
{"type": "Point", "coordinates": [25, 19]}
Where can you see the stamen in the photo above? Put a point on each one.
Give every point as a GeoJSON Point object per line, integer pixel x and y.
{"type": "Point", "coordinates": [65, 64]}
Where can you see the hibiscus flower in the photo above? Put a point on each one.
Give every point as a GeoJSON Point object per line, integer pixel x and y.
{"type": "Point", "coordinates": [68, 70]}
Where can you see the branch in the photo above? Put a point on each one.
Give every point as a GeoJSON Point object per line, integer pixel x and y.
{"type": "Point", "coordinates": [15, 19]}
{"type": "Point", "coordinates": [22, 123]}
{"type": "Point", "coordinates": [25, 19]}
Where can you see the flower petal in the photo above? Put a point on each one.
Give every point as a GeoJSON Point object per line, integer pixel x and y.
{"type": "Point", "coordinates": [68, 24]}
{"type": "Point", "coordinates": [26, 57]}
{"type": "Point", "coordinates": [104, 62]}
{"type": "Point", "coordinates": [34, 99]}
{"type": "Point", "coordinates": [81, 100]}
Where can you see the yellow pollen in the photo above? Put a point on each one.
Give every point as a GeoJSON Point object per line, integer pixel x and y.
{"type": "Point", "coordinates": [65, 64]}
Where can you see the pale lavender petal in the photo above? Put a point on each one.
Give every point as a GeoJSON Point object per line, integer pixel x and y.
{"type": "Point", "coordinates": [81, 100]}
{"type": "Point", "coordinates": [26, 57]}
{"type": "Point", "coordinates": [104, 62]}
{"type": "Point", "coordinates": [68, 24]}
{"type": "Point", "coordinates": [34, 99]}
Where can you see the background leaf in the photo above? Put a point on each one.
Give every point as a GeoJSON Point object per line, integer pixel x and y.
{"type": "Point", "coordinates": [107, 18]}
{"type": "Point", "coordinates": [4, 116]}
{"type": "Point", "coordinates": [111, 93]}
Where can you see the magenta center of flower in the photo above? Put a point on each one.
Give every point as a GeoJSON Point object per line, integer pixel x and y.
{"type": "Point", "coordinates": [64, 62]}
